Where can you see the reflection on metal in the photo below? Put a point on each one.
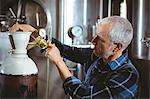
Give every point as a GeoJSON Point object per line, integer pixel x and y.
{"type": "Point", "coordinates": [141, 24]}
{"type": "Point", "coordinates": [19, 9]}
{"type": "Point", "coordinates": [71, 15]}
{"type": "Point", "coordinates": [85, 12]}
{"type": "Point", "coordinates": [27, 11]}
{"type": "Point", "coordinates": [44, 16]}
{"type": "Point", "coordinates": [123, 9]}
{"type": "Point", "coordinates": [12, 12]}
{"type": "Point", "coordinates": [78, 12]}
{"type": "Point", "coordinates": [140, 27]}
{"type": "Point", "coordinates": [109, 7]}
{"type": "Point", "coordinates": [62, 3]}
{"type": "Point", "coordinates": [101, 9]}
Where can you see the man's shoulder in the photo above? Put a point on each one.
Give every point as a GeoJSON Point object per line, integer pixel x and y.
{"type": "Point", "coordinates": [128, 67]}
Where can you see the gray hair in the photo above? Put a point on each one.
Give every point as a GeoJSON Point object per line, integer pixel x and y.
{"type": "Point", "coordinates": [121, 32]}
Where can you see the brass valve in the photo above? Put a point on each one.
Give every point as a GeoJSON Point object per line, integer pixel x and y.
{"type": "Point", "coordinates": [42, 43]}
{"type": "Point", "coordinates": [39, 41]}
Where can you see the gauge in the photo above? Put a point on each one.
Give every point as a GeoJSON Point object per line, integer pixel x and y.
{"type": "Point", "coordinates": [42, 33]}
{"type": "Point", "coordinates": [75, 31]}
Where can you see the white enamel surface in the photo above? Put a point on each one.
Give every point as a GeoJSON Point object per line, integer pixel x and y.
{"type": "Point", "coordinates": [19, 63]}
{"type": "Point", "coordinates": [21, 40]}
{"type": "Point", "coordinates": [5, 46]}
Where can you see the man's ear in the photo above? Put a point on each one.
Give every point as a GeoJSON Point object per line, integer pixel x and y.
{"type": "Point", "coordinates": [118, 46]}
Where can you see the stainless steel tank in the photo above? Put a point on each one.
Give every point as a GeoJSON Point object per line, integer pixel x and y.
{"type": "Point", "coordinates": [77, 12]}
{"type": "Point", "coordinates": [141, 23]}
{"type": "Point", "coordinates": [138, 14]}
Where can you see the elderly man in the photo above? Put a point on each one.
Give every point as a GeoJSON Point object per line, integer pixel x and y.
{"type": "Point", "coordinates": [109, 72]}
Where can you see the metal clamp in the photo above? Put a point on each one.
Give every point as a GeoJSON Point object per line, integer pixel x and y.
{"type": "Point", "coordinates": [146, 41]}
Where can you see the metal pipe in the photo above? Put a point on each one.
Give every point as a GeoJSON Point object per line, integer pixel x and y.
{"type": "Point", "coordinates": [85, 13]}
{"type": "Point", "coordinates": [62, 20]}
{"type": "Point", "coordinates": [13, 14]}
{"type": "Point", "coordinates": [109, 8]}
{"type": "Point", "coordinates": [101, 9]}
{"type": "Point", "coordinates": [140, 28]}
{"type": "Point", "coordinates": [47, 78]}
{"type": "Point", "coordinates": [19, 9]}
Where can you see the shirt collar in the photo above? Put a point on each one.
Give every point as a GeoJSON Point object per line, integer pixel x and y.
{"type": "Point", "coordinates": [118, 62]}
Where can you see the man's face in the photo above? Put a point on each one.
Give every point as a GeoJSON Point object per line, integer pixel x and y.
{"type": "Point", "coordinates": [102, 41]}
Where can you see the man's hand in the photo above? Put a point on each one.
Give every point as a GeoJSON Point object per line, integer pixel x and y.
{"type": "Point", "coordinates": [53, 53]}
{"type": "Point", "coordinates": [22, 27]}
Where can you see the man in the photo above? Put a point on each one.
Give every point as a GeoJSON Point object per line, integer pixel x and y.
{"type": "Point", "coordinates": [109, 71]}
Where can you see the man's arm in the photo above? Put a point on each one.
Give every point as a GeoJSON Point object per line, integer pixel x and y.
{"type": "Point", "coordinates": [63, 69]}
{"type": "Point", "coordinates": [54, 54]}
{"type": "Point", "coordinates": [78, 55]}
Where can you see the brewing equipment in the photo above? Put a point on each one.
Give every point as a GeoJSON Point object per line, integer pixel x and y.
{"type": "Point", "coordinates": [66, 15]}
{"type": "Point", "coordinates": [141, 22]}
{"type": "Point", "coordinates": [18, 73]}
{"type": "Point", "coordinates": [138, 12]}
{"type": "Point", "coordinates": [37, 14]}
{"type": "Point", "coordinates": [76, 34]}
{"type": "Point", "coordinates": [78, 15]}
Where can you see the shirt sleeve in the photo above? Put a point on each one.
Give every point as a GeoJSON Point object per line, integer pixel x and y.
{"type": "Point", "coordinates": [76, 89]}
{"type": "Point", "coordinates": [78, 55]}
{"type": "Point", "coordinates": [121, 85]}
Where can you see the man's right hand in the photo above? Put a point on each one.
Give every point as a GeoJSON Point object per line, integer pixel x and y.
{"type": "Point", "coordinates": [53, 53]}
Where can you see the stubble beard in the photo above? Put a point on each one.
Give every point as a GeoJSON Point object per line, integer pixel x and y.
{"type": "Point", "coordinates": [104, 55]}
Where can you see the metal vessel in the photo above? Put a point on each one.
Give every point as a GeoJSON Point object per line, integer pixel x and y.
{"type": "Point", "coordinates": [18, 72]}
{"type": "Point", "coordinates": [141, 22]}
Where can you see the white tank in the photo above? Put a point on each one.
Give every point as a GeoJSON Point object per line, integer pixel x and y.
{"type": "Point", "coordinates": [18, 63]}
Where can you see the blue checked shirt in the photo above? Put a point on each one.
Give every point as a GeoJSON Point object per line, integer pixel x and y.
{"type": "Point", "coordinates": [114, 79]}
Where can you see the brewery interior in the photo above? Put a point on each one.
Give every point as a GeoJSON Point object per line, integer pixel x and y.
{"type": "Point", "coordinates": [57, 17]}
